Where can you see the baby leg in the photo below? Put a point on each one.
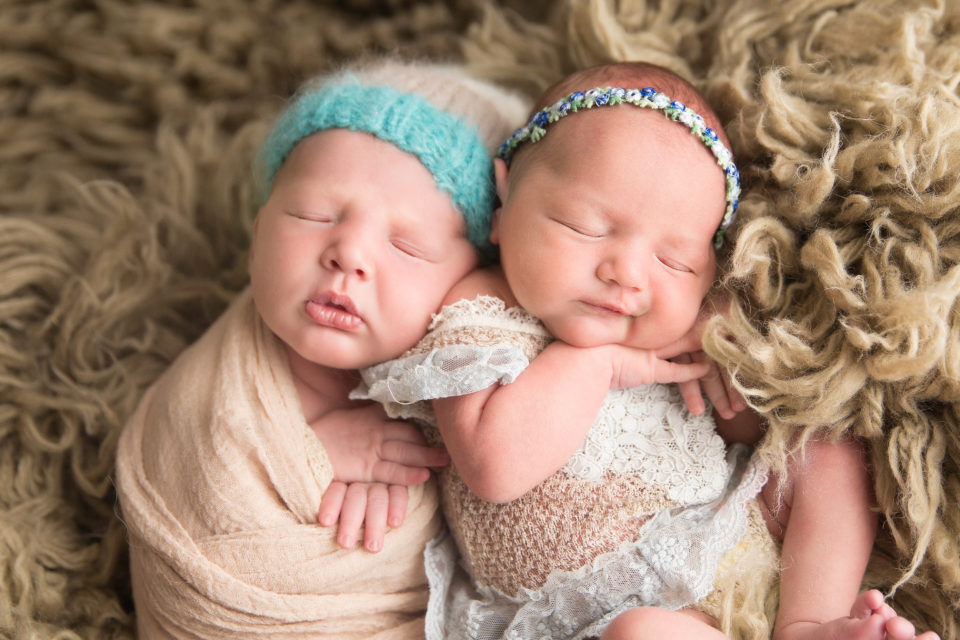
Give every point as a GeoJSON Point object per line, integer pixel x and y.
{"type": "Point", "coordinates": [824, 514]}
{"type": "Point", "coordinates": [643, 623]}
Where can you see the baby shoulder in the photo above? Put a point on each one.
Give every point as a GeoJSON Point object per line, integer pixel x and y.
{"type": "Point", "coordinates": [488, 281]}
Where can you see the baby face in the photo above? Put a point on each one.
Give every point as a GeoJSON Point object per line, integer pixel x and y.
{"type": "Point", "coordinates": [354, 250]}
{"type": "Point", "coordinates": [607, 227]}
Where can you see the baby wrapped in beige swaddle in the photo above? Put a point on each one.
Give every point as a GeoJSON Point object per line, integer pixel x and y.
{"type": "Point", "coordinates": [219, 474]}
{"type": "Point", "coordinates": [220, 479]}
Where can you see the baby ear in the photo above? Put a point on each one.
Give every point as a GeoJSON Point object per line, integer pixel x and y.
{"type": "Point", "coordinates": [500, 172]}
{"type": "Point", "coordinates": [495, 227]}
{"type": "Point", "coordinates": [253, 237]}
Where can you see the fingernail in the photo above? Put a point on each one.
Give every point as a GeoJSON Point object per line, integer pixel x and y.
{"type": "Point", "coordinates": [373, 546]}
{"type": "Point", "coordinates": [346, 542]}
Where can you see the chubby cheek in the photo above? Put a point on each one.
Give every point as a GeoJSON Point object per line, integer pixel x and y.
{"type": "Point", "coordinates": [677, 316]}
{"type": "Point", "coordinates": [405, 319]}
{"type": "Point", "coordinates": [283, 257]}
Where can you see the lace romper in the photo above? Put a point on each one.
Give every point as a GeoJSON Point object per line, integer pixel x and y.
{"type": "Point", "coordinates": [642, 514]}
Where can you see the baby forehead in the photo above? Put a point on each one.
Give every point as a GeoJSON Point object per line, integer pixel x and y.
{"type": "Point", "coordinates": [624, 130]}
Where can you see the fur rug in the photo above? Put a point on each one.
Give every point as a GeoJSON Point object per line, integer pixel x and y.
{"type": "Point", "coordinates": [126, 204]}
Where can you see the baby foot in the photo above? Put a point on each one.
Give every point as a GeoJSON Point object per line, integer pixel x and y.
{"type": "Point", "coordinates": [870, 619]}
{"type": "Point", "coordinates": [870, 608]}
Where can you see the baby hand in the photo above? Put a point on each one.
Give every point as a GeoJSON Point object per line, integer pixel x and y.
{"type": "Point", "coordinates": [363, 445]}
{"type": "Point", "coordinates": [372, 506]}
{"type": "Point", "coordinates": [726, 400]}
{"type": "Point", "coordinates": [715, 383]}
{"type": "Point", "coordinates": [634, 367]}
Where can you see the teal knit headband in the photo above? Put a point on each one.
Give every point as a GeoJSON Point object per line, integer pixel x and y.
{"type": "Point", "coordinates": [648, 98]}
{"type": "Point", "coordinates": [446, 145]}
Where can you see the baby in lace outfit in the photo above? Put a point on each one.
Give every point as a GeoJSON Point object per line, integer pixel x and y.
{"type": "Point", "coordinates": [584, 499]}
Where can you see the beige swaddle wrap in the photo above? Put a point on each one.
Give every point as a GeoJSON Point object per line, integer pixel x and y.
{"type": "Point", "coordinates": [220, 478]}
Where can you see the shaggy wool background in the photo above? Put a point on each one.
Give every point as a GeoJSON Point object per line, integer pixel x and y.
{"type": "Point", "coordinates": [126, 133]}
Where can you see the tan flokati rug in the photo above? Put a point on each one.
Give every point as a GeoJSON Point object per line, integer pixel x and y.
{"type": "Point", "coordinates": [126, 131]}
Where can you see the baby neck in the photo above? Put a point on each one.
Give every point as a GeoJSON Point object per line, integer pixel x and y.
{"type": "Point", "coordinates": [321, 389]}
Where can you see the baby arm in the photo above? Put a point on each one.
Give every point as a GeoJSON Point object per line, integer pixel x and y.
{"type": "Point", "coordinates": [364, 445]}
{"type": "Point", "coordinates": [506, 439]}
{"type": "Point", "coordinates": [373, 459]}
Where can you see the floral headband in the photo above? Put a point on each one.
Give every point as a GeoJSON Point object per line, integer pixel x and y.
{"type": "Point", "coordinates": [648, 98]}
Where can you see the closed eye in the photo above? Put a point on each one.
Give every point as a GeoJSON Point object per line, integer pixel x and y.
{"type": "Point", "coordinates": [310, 216]}
{"type": "Point", "coordinates": [674, 265]}
{"type": "Point", "coordinates": [587, 233]}
{"type": "Point", "coordinates": [409, 249]}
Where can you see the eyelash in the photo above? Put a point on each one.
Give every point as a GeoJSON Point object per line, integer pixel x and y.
{"type": "Point", "coordinates": [398, 244]}
{"type": "Point", "coordinates": [676, 266]}
{"type": "Point", "coordinates": [670, 264]}
{"type": "Point", "coordinates": [407, 249]}
{"type": "Point", "coordinates": [580, 231]}
{"type": "Point", "coordinates": [311, 217]}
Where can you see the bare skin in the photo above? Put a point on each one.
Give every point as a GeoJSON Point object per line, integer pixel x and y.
{"type": "Point", "coordinates": [805, 519]}
{"type": "Point", "coordinates": [870, 619]}
{"type": "Point", "coordinates": [351, 255]}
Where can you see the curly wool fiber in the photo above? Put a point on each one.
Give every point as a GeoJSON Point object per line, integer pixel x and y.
{"type": "Point", "coordinates": [126, 201]}
{"type": "Point", "coordinates": [846, 317]}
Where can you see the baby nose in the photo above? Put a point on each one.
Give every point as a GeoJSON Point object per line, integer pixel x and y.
{"type": "Point", "coordinates": [349, 267]}
{"type": "Point", "coordinates": [350, 255]}
{"type": "Point", "coordinates": [626, 271]}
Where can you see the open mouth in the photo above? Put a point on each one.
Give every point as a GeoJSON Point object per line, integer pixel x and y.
{"type": "Point", "coordinates": [333, 310]}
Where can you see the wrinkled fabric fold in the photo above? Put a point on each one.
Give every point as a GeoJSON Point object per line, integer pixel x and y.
{"type": "Point", "coordinates": [220, 479]}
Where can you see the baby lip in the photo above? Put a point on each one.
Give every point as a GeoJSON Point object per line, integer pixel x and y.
{"type": "Point", "coordinates": [335, 311]}
{"type": "Point", "coordinates": [609, 307]}
{"type": "Point", "coordinates": [336, 300]}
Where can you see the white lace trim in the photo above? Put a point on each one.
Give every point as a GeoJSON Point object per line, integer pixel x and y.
{"type": "Point", "coordinates": [455, 370]}
{"type": "Point", "coordinates": [647, 431]}
{"type": "Point", "coordinates": [672, 564]}
{"type": "Point", "coordinates": [487, 311]}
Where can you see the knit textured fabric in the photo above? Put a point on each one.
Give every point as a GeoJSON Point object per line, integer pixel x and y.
{"type": "Point", "coordinates": [446, 145]}
{"type": "Point", "coordinates": [126, 203]}
{"type": "Point", "coordinates": [641, 514]}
